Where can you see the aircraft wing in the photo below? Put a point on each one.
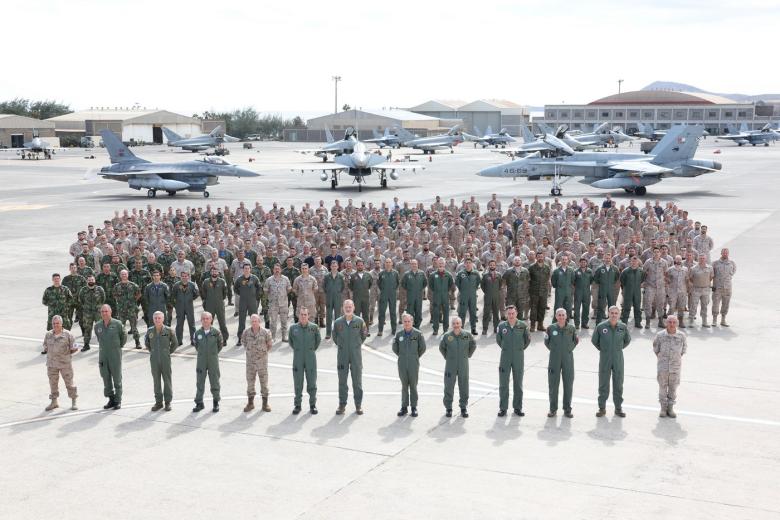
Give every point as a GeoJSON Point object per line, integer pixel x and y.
{"type": "Point", "coordinates": [643, 168]}
{"type": "Point", "coordinates": [398, 167]}
{"type": "Point", "coordinates": [325, 168]}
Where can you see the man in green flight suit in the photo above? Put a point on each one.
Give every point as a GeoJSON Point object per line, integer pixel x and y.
{"type": "Point", "coordinates": [583, 278]}
{"type": "Point", "coordinates": [605, 277]}
{"type": "Point", "coordinates": [560, 339]}
{"type": "Point", "coordinates": [388, 282]}
{"type": "Point", "coordinates": [208, 344]}
{"type": "Point", "coordinates": [111, 337]}
{"type": "Point", "coordinates": [563, 283]}
{"type": "Point", "coordinates": [456, 347]}
{"type": "Point", "coordinates": [414, 282]}
{"type": "Point", "coordinates": [467, 280]}
{"type": "Point", "coordinates": [440, 283]}
{"type": "Point", "coordinates": [409, 346]}
{"type": "Point", "coordinates": [160, 341]}
{"type": "Point", "coordinates": [304, 342]}
{"type": "Point", "coordinates": [213, 293]}
{"type": "Point", "coordinates": [349, 332]}
{"type": "Point", "coordinates": [334, 288]}
{"type": "Point", "coordinates": [360, 285]}
{"type": "Point", "coordinates": [631, 283]}
{"type": "Point", "coordinates": [491, 288]}
{"type": "Point", "coordinates": [513, 338]}
{"type": "Point", "coordinates": [610, 338]}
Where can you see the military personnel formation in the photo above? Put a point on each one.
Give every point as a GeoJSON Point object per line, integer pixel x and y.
{"type": "Point", "coordinates": [353, 270]}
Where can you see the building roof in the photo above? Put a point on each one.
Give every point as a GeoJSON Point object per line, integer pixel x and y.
{"type": "Point", "coordinates": [662, 97]}
{"type": "Point", "coordinates": [439, 105]}
{"type": "Point", "coordinates": [128, 116]}
{"type": "Point", "coordinates": [16, 121]}
{"type": "Point", "coordinates": [390, 113]}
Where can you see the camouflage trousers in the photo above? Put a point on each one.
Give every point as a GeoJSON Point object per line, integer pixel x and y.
{"type": "Point", "coordinates": [678, 301]}
{"type": "Point", "coordinates": [700, 296]}
{"type": "Point", "coordinates": [54, 382]}
{"type": "Point", "coordinates": [667, 387]}
{"type": "Point", "coordinates": [277, 315]}
{"type": "Point", "coordinates": [720, 301]}
{"type": "Point", "coordinates": [257, 368]}
{"type": "Point", "coordinates": [132, 319]}
{"type": "Point", "coordinates": [655, 300]}
{"type": "Point", "coordinates": [86, 323]}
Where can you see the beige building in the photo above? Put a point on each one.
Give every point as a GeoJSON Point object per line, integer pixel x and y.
{"type": "Point", "coordinates": [478, 115]}
{"type": "Point", "coordinates": [17, 130]}
{"type": "Point", "coordinates": [131, 124]}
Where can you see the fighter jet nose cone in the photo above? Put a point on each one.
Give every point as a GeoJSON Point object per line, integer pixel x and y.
{"type": "Point", "coordinates": [488, 172]}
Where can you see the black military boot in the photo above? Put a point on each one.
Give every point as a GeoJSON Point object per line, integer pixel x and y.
{"type": "Point", "coordinates": [138, 344]}
{"type": "Point", "coordinates": [341, 409]}
{"type": "Point", "coordinates": [403, 411]}
{"type": "Point", "coordinates": [117, 405]}
{"type": "Point", "coordinates": [474, 332]}
{"type": "Point", "coordinates": [502, 413]}
{"type": "Point", "coordinates": [464, 413]}
{"type": "Point", "coordinates": [296, 409]}
{"type": "Point", "coordinates": [448, 412]}
{"type": "Point", "coordinates": [602, 412]}
{"type": "Point", "coordinates": [519, 412]}
{"type": "Point", "coordinates": [157, 407]}
{"type": "Point", "coordinates": [215, 408]}
{"type": "Point", "coordinates": [85, 347]}
{"type": "Point", "coordinates": [619, 412]}
{"type": "Point", "coordinates": [313, 410]}
{"type": "Point", "coordinates": [198, 407]}
{"type": "Point", "coordinates": [109, 404]}
{"type": "Point", "coordinates": [414, 411]}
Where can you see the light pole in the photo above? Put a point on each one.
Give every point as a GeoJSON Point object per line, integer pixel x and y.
{"type": "Point", "coordinates": [620, 82]}
{"type": "Point", "coordinates": [336, 80]}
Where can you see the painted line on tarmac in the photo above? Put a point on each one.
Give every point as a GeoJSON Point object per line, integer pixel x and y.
{"type": "Point", "coordinates": [529, 394]}
{"type": "Point", "coordinates": [78, 413]}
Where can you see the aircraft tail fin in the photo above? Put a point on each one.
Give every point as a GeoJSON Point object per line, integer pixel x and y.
{"type": "Point", "coordinates": [546, 129]}
{"type": "Point", "coordinates": [170, 135]}
{"type": "Point", "coordinates": [743, 127]}
{"type": "Point", "coordinates": [328, 135]}
{"type": "Point", "coordinates": [117, 150]}
{"type": "Point", "coordinates": [477, 132]}
{"type": "Point", "coordinates": [489, 130]}
{"type": "Point", "coordinates": [679, 144]}
{"type": "Point", "coordinates": [528, 136]}
{"type": "Point", "coordinates": [376, 134]}
{"type": "Point", "coordinates": [217, 132]}
{"type": "Point", "coordinates": [455, 130]}
{"type": "Point", "coordinates": [599, 128]}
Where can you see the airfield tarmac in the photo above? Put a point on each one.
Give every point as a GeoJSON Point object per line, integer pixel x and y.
{"type": "Point", "coordinates": [718, 459]}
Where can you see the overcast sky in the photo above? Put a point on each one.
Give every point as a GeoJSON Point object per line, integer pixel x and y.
{"type": "Point", "coordinates": [280, 56]}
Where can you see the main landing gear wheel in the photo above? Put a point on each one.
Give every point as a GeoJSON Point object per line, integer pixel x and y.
{"type": "Point", "coordinates": [171, 193]}
{"type": "Point", "coordinates": [151, 194]}
{"type": "Point", "coordinates": [640, 190]}
{"type": "Point", "coordinates": [206, 194]}
{"type": "Point", "coordinates": [555, 192]}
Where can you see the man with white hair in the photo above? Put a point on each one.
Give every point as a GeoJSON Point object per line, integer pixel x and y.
{"type": "Point", "coordinates": [160, 341]}
{"type": "Point", "coordinates": [669, 346]}
{"type": "Point", "coordinates": [208, 344]}
{"type": "Point", "coordinates": [59, 345]}
{"type": "Point", "coordinates": [457, 346]}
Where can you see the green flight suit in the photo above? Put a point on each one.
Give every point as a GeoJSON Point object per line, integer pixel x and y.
{"type": "Point", "coordinates": [248, 290]}
{"type": "Point", "coordinates": [360, 288]}
{"type": "Point", "coordinates": [610, 341]}
{"type": "Point", "coordinates": [414, 284]}
{"type": "Point", "coordinates": [491, 288]}
{"type": "Point", "coordinates": [560, 341]}
{"type": "Point", "coordinates": [184, 296]}
{"type": "Point", "coordinates": [409, 347]}
{"type": "Point", "coordinates": [583, 278]}
{"type": "Point", "coordinates": [631, 284]}
{"type": "Point", "coordinates": [456, 350]}
{"type": "Point", "coordinates": [334, 298]}
{"type": "Point", "coordinates": [467, 283]}
{"type": "Point", "coordinates": [213, 294]}
{"type": "Point", "coordinates": [304, 342]}
{"type": "Point", "coordinates": [388, 282]}
{"type": "Point", "coordinates": [111, 339]}
{"type": "Point", "coordinates": [208, 347]}
{"type": "Point", "coordinates": [160, 346]}
{"type": "Point", "coordinates": [538, 289]}
{"type": "Point", "coordinates": [513, 341]}
{"type": "Point", "coordinates": [90, 301]}
{"type": "Point", "coordinates": [349, 338]}
{"type": "Point", "coordinates": [440, 284]}
{"type": "Point", "coordinates": [563, 282]}
{"type": "Point", "coordinates": [605, 278]}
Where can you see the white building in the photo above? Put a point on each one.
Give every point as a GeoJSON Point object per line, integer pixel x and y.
{"type": "Point", "coordinates": [478, 115]}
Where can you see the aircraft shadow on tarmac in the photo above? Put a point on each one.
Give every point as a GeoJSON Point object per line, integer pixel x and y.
{"type": "Point", "coordinates": [353, 188]}
{"type": "Point", "coordinates": [671, 197]}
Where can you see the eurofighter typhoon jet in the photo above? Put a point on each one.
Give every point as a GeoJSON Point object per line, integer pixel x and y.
{"type": "Point", "coordinates": [672, 157]}
{"type": "Point", "coordinates": [198, 143]}
{"type": "Point", "coordinates": [169, 177]}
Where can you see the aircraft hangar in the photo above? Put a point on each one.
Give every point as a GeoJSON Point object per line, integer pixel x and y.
{"type": "Point", "coordinates": [495, 113]}
{"type": "Point", "coordinates": [129, 123]}
{"type": "Point", "coordinates": [366, 120]}
{"type": "Point", "coordinates": [16, 130]}
{"type": "Point", "coordinates": [659, 108]}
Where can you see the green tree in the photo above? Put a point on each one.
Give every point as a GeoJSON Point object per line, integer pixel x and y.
{"type": "Point", "coordinates": [43, 109]}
